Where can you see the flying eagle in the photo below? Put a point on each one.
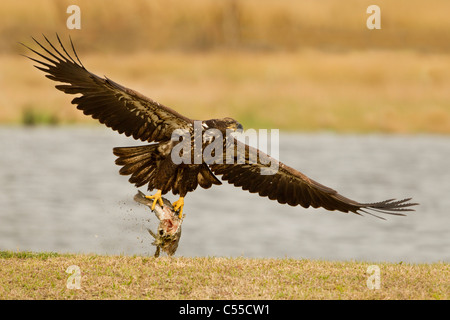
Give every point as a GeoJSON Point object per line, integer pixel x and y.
{"type": "Point", "coordinates": [129, 112]}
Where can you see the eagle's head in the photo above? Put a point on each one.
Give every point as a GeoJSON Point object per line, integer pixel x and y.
{"type": "Point", "coordinates": [224, 125]}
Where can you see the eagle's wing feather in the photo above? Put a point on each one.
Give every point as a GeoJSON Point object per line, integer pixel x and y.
{"type": "Point", "coordinates": [118, 107]}
{"type": "Point", "coordinates": [287, 185]}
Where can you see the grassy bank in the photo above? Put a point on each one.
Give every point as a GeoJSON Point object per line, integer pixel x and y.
{"type": "Point", "coordinates": [379, 91]}
{"type": "Point", "coordinates": [26, 275]}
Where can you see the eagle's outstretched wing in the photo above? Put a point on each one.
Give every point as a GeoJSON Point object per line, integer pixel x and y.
{"type": "Point", "coordinates": [119, 108]}
{"type": "Point", "coordinates": [287, 185]}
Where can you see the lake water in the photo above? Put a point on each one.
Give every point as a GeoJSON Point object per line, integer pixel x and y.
{"type": "Point", "coordinates": [61, 191]}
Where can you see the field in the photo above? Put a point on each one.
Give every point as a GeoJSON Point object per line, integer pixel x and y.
{"type": "Point", "coordinates": [293, 65]}
{"type": "Point", "coordinates": [25, 275]}
{"type": "Point", "coordinates": [300, 66]}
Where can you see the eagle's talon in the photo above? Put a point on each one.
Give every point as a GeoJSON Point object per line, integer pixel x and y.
{"type": "Point", "coordinates": [178, 206]}
{"type": "Point", "coordinates": [157, 197]}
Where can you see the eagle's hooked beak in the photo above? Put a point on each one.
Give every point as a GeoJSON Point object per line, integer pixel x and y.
{"type": "Point", "coordinates": [236, 127]}
{"type": "Point", "coordinates": [240, 128]}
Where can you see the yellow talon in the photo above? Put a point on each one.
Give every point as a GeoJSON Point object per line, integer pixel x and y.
{"type": "Point", "coordinates": [178, 205]}
{"type": "Point", "coordinates": [156, 197]}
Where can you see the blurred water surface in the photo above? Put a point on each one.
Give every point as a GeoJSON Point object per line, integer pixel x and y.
{"type": "Point", "coordinates": [61, 191]}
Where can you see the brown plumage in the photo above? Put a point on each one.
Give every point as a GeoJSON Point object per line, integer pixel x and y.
{"type": "Point", "coordinates": [289, 186]}
{"type": "Point", "coordinates": [133, 114]}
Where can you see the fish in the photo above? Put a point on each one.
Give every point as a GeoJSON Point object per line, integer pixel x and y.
{"type": "Point", "coordinates": [168, 234]}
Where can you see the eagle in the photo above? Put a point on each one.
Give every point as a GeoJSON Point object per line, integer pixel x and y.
{"type": "Point", "coordinates": [133, 114]}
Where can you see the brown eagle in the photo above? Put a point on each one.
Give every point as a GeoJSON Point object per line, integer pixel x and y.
{"type": "Point", "coordinates": [133, 114]}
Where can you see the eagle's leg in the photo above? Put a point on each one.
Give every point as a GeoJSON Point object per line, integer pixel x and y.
{"type": "Point", "coordinates": [178, 205]}
{"type": "Point", "coordinates": [156, 197]}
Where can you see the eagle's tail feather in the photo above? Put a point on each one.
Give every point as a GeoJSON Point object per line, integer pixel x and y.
{"type": "Point", "coordinates": [139, 161]}
{"type": "Point", "coordinates": [390, 206]}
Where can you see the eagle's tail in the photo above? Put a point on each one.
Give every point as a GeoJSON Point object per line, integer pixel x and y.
{"type": "Point", "coordinates": [139, 161]}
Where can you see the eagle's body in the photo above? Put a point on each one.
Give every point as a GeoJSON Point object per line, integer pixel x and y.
{"type": "Point", "coordinates": [133, 114]}
{"type": "Point", "coordinates": [153, 165]}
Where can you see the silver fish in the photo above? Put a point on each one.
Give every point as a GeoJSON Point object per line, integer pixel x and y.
{"type": "Point", "coordinates": [169, 229]}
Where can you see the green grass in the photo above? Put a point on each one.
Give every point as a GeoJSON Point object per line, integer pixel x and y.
{"type": "Point", "coordinates": [28, 255]}
{"type": "Point", "coordinates": [34, 116]}
{"type": "Point", "coordinates": [26, 275]}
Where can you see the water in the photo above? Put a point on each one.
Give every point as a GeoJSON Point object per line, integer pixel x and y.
{"type": "Point", "coordinates": [61, 191]}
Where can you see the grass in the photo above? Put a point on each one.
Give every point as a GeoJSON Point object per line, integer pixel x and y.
{"type": "Point", "coordinates": [307, 90]}
{"type": "Point", "coordinates": [31, 117]}
{"type": "Point", "coordinates": [26, 275]}
{"type": "Point", "coordinates": [232, 24]}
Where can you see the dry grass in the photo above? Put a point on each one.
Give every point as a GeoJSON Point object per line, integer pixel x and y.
{"type": "Point", "coordinates": [379, 91]}
{"type": "Point", "coordinates": [42, 276]}
{"type": "Point", "coordinates": [250, 24]}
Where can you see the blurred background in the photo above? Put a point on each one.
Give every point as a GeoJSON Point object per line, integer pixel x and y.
{"type": "Point", "coordinates": [316, 62]}
{"type": "Point", "coordinates": [309, 68]}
